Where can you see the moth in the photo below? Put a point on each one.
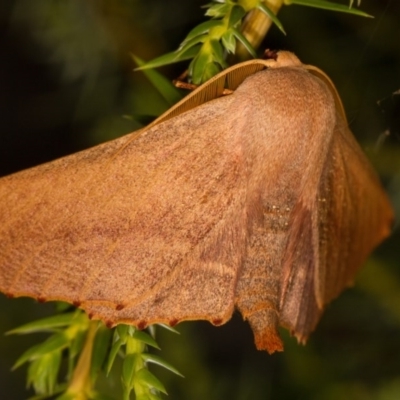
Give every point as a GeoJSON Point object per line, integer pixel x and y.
{"type": "Point", "coordinates": [260, 201]}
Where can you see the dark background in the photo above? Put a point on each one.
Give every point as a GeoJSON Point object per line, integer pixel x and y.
{"type": "Point", "coordinates": [67, 83]}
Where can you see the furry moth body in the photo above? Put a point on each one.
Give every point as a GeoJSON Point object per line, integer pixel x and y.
{"type": "Point", "coordinates": [260, 200]}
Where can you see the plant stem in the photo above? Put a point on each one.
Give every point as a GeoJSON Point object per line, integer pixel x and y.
{"type": "Point", "coordinates": [256, 26]}
{"type": "Point", "coordinates": [80, 384]}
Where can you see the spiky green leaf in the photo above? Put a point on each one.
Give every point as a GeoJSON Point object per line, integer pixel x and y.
{"type": "Point", "coordinates": [169, 328]}
{"type": "Point", "coordinates": [112, 354]}
{"type": "Point", "coordinates": [229, 41]}
{"type": "Point", "coordinates": [218, 53]}
{"type": "Point", "coordinates": [42, 373]}
{"type": "Point", "coordinates": [49, 324]}
{"type": "Point", "coordinates": [202, 28]}
{"type": "Point", "coordinates": [55, 342]}
{"type": "Point", "coordinates": [145, 338]}
{"type": "Point", "coordinates": [129, 369]}
{"type": "Point", "coordinates": [237, 13]}
{"type": "Point", "coordinates": [170, 58]}
{"type": "Point", "coordinates": [100, 349]}
{"type": "Point", "coordinates": [328, 5]}
{"type": "Point", "coordinates": [267, 11]}
{"type": "Point", "coordinates": [151, 358]}
{"type": "Point", "coordinates": [244, 42]}
{"type": "Point", "coordinates": [145, 377]}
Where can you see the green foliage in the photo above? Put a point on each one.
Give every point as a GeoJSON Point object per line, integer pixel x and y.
{"type": "Point", "coordinates": [68, 331]}
{"type": "Point", "coordinates": [207, 44]}
{"type": "Point", "coordinates": [91, 348]}
{"type": "Point", "coordinates": [329, 5]}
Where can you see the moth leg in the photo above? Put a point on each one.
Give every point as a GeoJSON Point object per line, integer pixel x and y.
{"type": "Point", "coordinates": [258, 287]}
{"type": "Point", "coordinates": [191, 86]}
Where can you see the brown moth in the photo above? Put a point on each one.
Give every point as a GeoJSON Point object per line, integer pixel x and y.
{"type": "Point", "coordinates": [260, 200]}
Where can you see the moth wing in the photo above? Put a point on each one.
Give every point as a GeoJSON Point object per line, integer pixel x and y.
{"type": "Point", "coordinates": [348, 217]}
{"type": "Point", "coordinates": [351, 223]}
{"type": "Point", "coordinates": [146, 228]}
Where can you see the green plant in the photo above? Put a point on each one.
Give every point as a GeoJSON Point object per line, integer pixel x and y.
{"type": "Point", "coordinates": [208, 44]}
{"type": "Point", "coordinates": [90, 346]}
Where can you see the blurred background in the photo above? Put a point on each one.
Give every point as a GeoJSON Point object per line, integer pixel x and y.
{"type": "Point", "coordinates": [67, 83]}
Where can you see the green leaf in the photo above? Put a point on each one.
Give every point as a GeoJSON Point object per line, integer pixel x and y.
{"type": "Point", "coordinates": [229, 41]}
{"type": "Point", "coordinates": [167, 90]}
{"type": "Point", "coordinates": [217, 10]}
{"type": "Point", "coordinates": [43, 372]}
{"type": "Point", "coordinates": [129, 368]}
{"type": "Point", "coordinates": [237, 13]}
{"type": "Point", "coordinates": [59, 389]}
{"type": "Point", "coordinates": [202, 28]}
{"type": "Point", "coordinates": [113, 353]}
{"type": "Point", "coordinates": [144, 376]}
{"type": "Point", "coordinates": [77, 342]}
{"type": "Point", "coordinates": [210, 70]}
{"type": "Point", "coordinates": [184, 47]}
{"type": "Point", "coordinates": [244, 42]}
{"type": "Point", "coordinates": [169, 328]}
{"type": "Point", "coordinates": [198, 65]}
{"type": "Point", "coordinates": [145, 338]}
{"type": "Point", "coordinates": [204, 66]}
{"type": "Point", "coordinates": [272, 16]}
{"type": "Point", "coordinates": [170, 58]}
{"type": "Point", "coordinates": [75, 347]}
{"type": "Point", "coordinates": [151, 358]}
{"type": "Point", "coordinates": [218, 53]}
{"type": "Point", "coordinates": [121, 331]}
{"type": "Point", "coordinates": [100, 349]}
{"type": "Point", "coordinates": [328, 5]}
{"type": "Point", "coordinates": [152, 330]}
{"type": "Point", "coordinates": [49, 324]}
{"type": "Point", "coordinates": [55, 342]}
